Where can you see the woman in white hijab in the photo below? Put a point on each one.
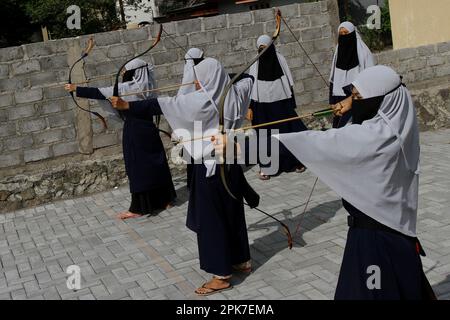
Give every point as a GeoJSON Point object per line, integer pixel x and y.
{"type": "Point", "coordinates": [193, 57]}
{"type": "Point", "coordinates": [350, 58]}
{"type": "Point", "coordinates": [217, 218]}
{"type": "Point", "coordinates": [145, 159]}
{"type": "Point", "coordinates": [273, 99]}
{"type": "Point", "coordinates": [374, 165]}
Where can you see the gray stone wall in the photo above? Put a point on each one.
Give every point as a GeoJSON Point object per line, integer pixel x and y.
{"type": "Point", "coordinates": [45, 139]}
{"type": "Point", "coordinates": [39, 121]}
{"type": "Point", "coordinates": [43, 134]}
{"type": "Point", "coordinates": [426, 72]}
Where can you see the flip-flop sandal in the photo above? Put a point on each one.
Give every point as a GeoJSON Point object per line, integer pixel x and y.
{"type": "Point", "coordinates": [212, 290]}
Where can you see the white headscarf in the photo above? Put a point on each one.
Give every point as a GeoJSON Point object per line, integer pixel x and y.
{"type": "Point", "coordinates": [375, 165]}
{"type": "Point", "coordinates": [188, 73]}
{"type": "Point", "coordinates": [182, 111]}
{"type": "Point", "coordinates": [271, 91]}
{"type": "Point", "coordinates": [342, 78]}
{"type": "Point", "coordinates": [143, 80]}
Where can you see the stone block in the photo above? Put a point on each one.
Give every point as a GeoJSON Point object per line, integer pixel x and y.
{"type": "Point", "coordinates": [61, 119]}
{"type": "Point", "coordinates": [105, 38]}
{"type": "Point", "coordinates": [24, 67]}
{"type": "Point", "coordinates": [263, 15]}
{"type": "Point", "coordinates": [227, 34]}
{"type": "Point", "coordinates": [310, 8]}
{"type": "Point", "coordinates": [120, 51]}
{"type": "Point", "coordinates": [11, 53]}
{"type": "Point", "coordinates": [254, 30]}
{"type": "Point", "coordinates": [311, 34]}
{"type": "Point", "coordinates": [4, 71]}
{"type": "Point", "coordinates": [135, 34]}
{"type": "Point", "coordinates": [238, 19]}
{"type": "Point", "coordinates": [65, 148]}
{"type": "Point", "coordinates": [199, 38]}
{"type": "Point", "coordinates": [6, 99]}
{"type": "Point", "coordinates": [20, 112]}
{"type": "Point", "coordinates": [217, 22]}
{"type": "Point", "coordinates": [164, 57]}
{"type": "Point", "coordinates": [48, 136]}
{"type": "Point", "coordinates": [10, 159]}
{"type": "Point", "coordinates": [27, 96]}
{"type": "Point", "coordinates": [19, 142]}
{"type": "Point", "coordinates": [34, 125]}
{"type": "Point", "coordinates": [105, 140]}
{"type": "Point", "coordinates": [7, 129]}
{"type": "Point", "coordinates": [37, 154]}
{"type": "Point", "coordinates": [189, 26]}
{"type": "Point", "coordinates": [14, 84]}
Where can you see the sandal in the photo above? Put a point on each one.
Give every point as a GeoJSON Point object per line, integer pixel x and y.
{"type": "Point", "coordinates": [211, 290]}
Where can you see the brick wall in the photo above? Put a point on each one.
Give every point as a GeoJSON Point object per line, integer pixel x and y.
{"type": "Point", "coordinates": [38, 120]}
{"type": "Point", "coordinates": [50, 150]}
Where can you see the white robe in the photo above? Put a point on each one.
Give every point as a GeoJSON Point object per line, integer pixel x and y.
{"type": "Point", "coordinates": [374, 166]}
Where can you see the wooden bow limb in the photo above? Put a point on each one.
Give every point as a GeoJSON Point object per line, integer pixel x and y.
{"type": "Point", "coordinates": [167, 88]}
{"type": "Point", "coordinates": [84, 54]}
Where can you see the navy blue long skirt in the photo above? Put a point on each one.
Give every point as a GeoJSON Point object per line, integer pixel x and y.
{"type": "Point", "coordinates": [218, 220]}
{"type": "Point", "coordinates": [146, 166]}
{"type": "Point", "coordinates": [396, 256]}
{"type": "Point", "coordinates": [268, 112]}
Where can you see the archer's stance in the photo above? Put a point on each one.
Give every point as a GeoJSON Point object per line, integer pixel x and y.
{"type": "Point", "coordinates": [145, 159]}
{"type": "Point", "coordinates": [273, 99]}
{"type": "Point", "coordinates": [217, 218]}
{"type": "Point", "coordinates": [374, 165]}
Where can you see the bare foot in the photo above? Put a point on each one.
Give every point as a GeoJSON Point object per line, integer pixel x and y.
{"type": "Point", "coordinates": [128, 215]}
{"type": "Point", "coordinates": [300, 169]}
{"type": "Point", "coordinates": [169, 206]}
{"type": "Point", "coordinates": [213, 286]}
{"type": "Point", "coordinates": [263, 176]}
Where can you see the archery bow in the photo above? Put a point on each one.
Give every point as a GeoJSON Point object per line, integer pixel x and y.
{"type": "Point", "coordinates": [84, 54]}
{"type": "Point", "coordinates": [227, 89]}
{"type": "Point", "coordinates": [116, 83]}
{"type": "Point", "coordinates": [221, 107]}
{"type": "Point", "coordinates": [327, 84]}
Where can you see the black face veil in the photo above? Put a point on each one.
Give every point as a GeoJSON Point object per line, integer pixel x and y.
{"type": "Point", "coordinates": [347, 57]}
{"type": "Point", "coordinates": [269, 68]}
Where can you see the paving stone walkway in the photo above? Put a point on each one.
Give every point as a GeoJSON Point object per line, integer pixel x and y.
{"type": "Point", "coordinates": [156, 257]}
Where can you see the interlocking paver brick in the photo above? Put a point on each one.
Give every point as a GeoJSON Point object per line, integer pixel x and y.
{"type": "Point", "coordinates": [156, 257]}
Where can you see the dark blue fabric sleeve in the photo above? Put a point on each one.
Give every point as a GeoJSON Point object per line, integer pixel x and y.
{"type": "Point", "coordinates": [145, 109]}
{"type": "Point", "coordinates": [90, 93]}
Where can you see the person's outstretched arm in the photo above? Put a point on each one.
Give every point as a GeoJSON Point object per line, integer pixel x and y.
{"type": "Point", "coordinates": [144, 109]}
{"type": "Point", "coordinates": [85, 92]}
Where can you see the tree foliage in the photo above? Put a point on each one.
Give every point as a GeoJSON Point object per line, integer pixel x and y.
{"type": "Point", "coordinates": [15, 26]}
{"type": "Point", "coordinates": [96, 16]}
{"type": "Point", "coordinates": [23, 18]}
